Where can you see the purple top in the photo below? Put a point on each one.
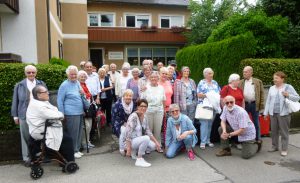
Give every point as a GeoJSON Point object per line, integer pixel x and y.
{"type": "Point", "coordinates": [237, 119]}
{"type": "Point", "coordinates": [133, 85]}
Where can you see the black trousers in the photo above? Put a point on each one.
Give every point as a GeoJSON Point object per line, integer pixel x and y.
{"type": "Point", "coordinates": [106, 107]}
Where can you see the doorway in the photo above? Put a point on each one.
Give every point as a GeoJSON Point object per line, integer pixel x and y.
{"type": "Point", "coordinates": [96, 57]}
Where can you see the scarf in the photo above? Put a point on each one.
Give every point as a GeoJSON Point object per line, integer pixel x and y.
{"type": "Point", "coordinates": [127, 108]}
{"type": "Point", "coordinates": [176, 121]}
{"type": "Point", "coordinates": [86, 90]}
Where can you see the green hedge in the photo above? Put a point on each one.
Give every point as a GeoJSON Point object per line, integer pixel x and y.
{"type": "Point", "coordinates": [52, 75]}
{"type": "Point", "coordinates": [265, 68]}
{"type": "Point", "coordinates": [223, 57]}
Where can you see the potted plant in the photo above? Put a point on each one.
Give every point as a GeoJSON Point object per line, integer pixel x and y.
{"type": "Point", "coordinates": [177, 29]}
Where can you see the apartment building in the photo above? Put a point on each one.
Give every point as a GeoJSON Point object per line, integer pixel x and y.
{"type": "Point", "coordinates": [103, 31]}
{"type": "Point", "coordinates": [134, 30]}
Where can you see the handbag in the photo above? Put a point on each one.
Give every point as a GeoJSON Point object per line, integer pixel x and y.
{"type": "Point", "coordinates": [204, 111]}
{"type": "Point", "coordinates": [293, 106]}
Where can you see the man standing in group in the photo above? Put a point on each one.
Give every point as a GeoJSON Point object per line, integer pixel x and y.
{"type": "Point", "coordinates": [254, 97]}
{"type": "Point", "coordinates": [145, 63]}
{"type": "Point", "coordinates": [22, 96]}
{"type": "Point", "coordinates": [113, 74]}
{"type": "Point", "coordinates": [238, 124]}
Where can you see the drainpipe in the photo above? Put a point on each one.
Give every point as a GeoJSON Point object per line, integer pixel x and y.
{"type": "Point", "coordinates": [49, 30]}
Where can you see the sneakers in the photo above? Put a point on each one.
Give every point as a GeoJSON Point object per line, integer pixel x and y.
{"type": "Point", "coordinates": [133, 154]}
{"type": "Point", "coordinates": [202, 146]}
{"type": "Point", "coordinates": [90, 145]}
{"type": "Point", "coordinates": [211, 145]}
{"type": "Point", "coordinates": [273, 150]}
{"type": "Point", "coordinates": [191, 155]}
{"type": "Point", "coordinates": [224, 152]}
{"type": "Point", "coordinates": [142, 163]}
{"type": "Point", "coordinates": [77, 155]}
{"type": "Point", "coordinates": [81, 154]}
{"type": "Point", "coordinates": [283, 153]}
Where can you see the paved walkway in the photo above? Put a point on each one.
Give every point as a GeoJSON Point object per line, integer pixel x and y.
{"type": "Point", "coordinates": [106, 165]}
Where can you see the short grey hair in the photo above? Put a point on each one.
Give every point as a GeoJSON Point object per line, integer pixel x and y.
{"type": "Point", "coordinates": [101, 69]}
{"type": "Point", "coordinates": [173, 106]}
{"type": "Point", "coordinates": [185, 67]}
{"type": "Point", "coordinates": [249, 68]}
{"type": "Point", "coordinates": [127, 92]}
{"type": "Point", "coordinates": [36, 90]}
{"type": "Point", "coordinates": [71, 68]}
{"type": "Point", "coordinates": [126, 65]}
{"type": "Point", "coordinates": [233, 77]}
{"type": "Point", "coordinates": [81, 72]}
{"type": "Point", "coordinates": [207, 70]}
{"type": "Point", "coordinates": [144, 62]}
{"type": "Point", "coordinates": [28, 67]}
{"type": "Point", "coordinates": [162, 69]}
{"type": "Point", "coordinates": [112, 64]}
{"type": "Point", "coordinates": [135, 69]}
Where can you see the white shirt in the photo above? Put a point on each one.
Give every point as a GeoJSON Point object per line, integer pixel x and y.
{"type": "Point", "coordinates": [114, 76]}
{"type": "Point", "coordinates": [93, 84]}
{"type": "Point", "coordinates": [249, 91]}
{"type": "Point", "coordinates": [30, 86]}
{"type": "Point", "coordinates": [155, 97]}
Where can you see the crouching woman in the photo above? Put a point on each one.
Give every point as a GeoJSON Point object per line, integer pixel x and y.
{"type": "Point", "coordinates": [139, 138]}
{"type": "Point", "coordinates": [180, 133]}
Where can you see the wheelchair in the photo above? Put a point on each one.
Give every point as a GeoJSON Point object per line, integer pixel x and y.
{"type": "Point", "coordinates": [40, 154]}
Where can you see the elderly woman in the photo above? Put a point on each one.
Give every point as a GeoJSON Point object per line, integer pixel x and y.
{"type": "Point", "coordinates": [105, 94]}
{"type": "Point", "coordinates": [70, 104]}
{"type": "Point", "coordinates": [133, 84]}
{"type": "Point", "coordinates": [82, 76]}
{"type": "Point", "coordinates": [279, 111]}
{"type": "Point", "coordinates": [121, 111]}
{"type": "Point", "coordinates": [207, 86]}
{"type": "Point", "coordinates": [21, 97]}
{"type": "Point", "coordinates": [180, 133]}
{"type": "Point", "coordinates": [139, 138]}
{"type": "Point", "coordinates": [171, 78]}
{"type": "Point", "coordinates": [185, 94]}
{"type": "Point", "coordinates": [122, 80]}
{"type": "Point", "coordinates": [233, 89]}
{"type": "Point", "coordinates": [155, 95]}
{"type": "Point", "coordinates": [144, 81]}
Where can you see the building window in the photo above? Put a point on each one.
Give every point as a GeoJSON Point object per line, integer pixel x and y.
{"type": "Point", "coordinates": [60, 50]}
{"type": "Point", "coordinates": [58, 7]}
{"type": "Point", "coordinates": [137, 20]}
{"type": "Point", "coordinates": [171, 21]}
{"type": "Point", "coordinates": [101, 19]}
{"type": "Point", "coordinates": [135, 56]}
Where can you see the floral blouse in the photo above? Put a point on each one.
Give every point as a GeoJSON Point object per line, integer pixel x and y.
{"type": "Point", "coordinates": [204, 87]}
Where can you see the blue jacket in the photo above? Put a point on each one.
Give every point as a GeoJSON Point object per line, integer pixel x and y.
{"type": "Point", "coordinates": [21, 99]}
{"type": "Point", "coordinates": [185, 124]}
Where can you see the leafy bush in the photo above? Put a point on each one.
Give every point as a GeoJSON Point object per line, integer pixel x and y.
{"type": "Point", "coordinates": [268, 31]}
{"type": "Point", "coordinates": [265, 68]}
{"type": "Point", "coordinates": [59, 61]}
{"type": "Point", "coordinates": [52, 75]}
{"type": "Point", "coordinates": [223, 57]}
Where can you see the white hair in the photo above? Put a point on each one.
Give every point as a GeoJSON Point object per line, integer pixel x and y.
{"type": "Point", "coordinates": [29, 67]}
{"type": "Point", "coordinates": [81, 72]}
{"type": "Point", "coordinates": [126, 65]}
{"type": "Point", "coordinates": [101, 69]}
{"type": "Point", "coordinates": [207, 70]}
{"type": "Point", "coordinates": [71, 68]}
{"type": "Point", "coordinates": [127, 92]}
{"type": "Point", "coordinates": [173, 106]}
{"type": "Point", "coordinates": [163, 69]}
{"type": "Point", "coordinates": [185, 67]}
{"type": "Point", "coordinates": [82, 63]}
{"type": "Point", "coordinates": [112, 64]}
{"type": "Point", "coordinates": [233, 77]}
{"type": "Point", "coordinates": [249, 68]}
{"type": "Point", "coordinates": [135, 69]}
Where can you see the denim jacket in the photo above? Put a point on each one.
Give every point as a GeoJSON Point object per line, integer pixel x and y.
{"type": "Point", "coordinates": [185, 124]}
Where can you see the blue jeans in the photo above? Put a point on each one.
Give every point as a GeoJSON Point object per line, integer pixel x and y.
{"type": "Point", "coordinates": [205, 130]}
{"type": "Point", "coordinates": [251, 108]}
{"type": "Point", "coordinates": [176, 146]}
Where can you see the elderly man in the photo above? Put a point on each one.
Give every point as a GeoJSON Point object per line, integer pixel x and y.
{"type": "Point", "coordinates": [92, 81]}
{"type": "Point", "coordinates": [113, 75]}
{"type": "Point", "coordinates": [239, 124]}
{"type": "Point", "coordinates": [159, 65]}
{"type": "Point", "coordinates": [39, 110]}
{"type": "Point", "coordinates": [145, 63]}
{"type": "Point", "coordinates": [254, 97]}
{"type": "Point", "coordinates": [21, 97]}
{"type": "Point", "coordinates": [180, 133]}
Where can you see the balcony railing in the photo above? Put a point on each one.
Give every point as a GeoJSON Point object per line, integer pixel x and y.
{"type": "Point", "coordinates": [9, 6]}
{"type": "Point", "coordinates": [134, 35]}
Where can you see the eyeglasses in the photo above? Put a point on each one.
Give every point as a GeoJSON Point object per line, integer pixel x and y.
{"type": "Point", "coordinates": [229, 102]}
{"type": "Point", "coordinates": [174, 111]}
{"type": "Point", "coordinates": [44, 92]}
{"type": "Point", "coordinates": [143, 106]}
{"type": "Point", "coordinates": [30, 72]}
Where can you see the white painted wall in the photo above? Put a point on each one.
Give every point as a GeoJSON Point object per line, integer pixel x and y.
{"type": "Point", "coordinates": [19, 32]}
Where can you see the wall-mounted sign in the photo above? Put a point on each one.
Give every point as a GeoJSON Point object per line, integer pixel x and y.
{"type": "Point", "coordinates": [115, 55]}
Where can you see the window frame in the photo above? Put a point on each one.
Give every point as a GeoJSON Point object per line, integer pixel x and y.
{"type": "Point", "coordinates": [135, 15]}
{"type": "Point", "coordinates": [169, 17]}
{"type": "Point", "coordinates": [99, 13]}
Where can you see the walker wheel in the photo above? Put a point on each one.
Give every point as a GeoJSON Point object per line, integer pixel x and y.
{"type": "Point", "coordinates": [71, 167]}
{"type": "Point", "coordinates": [36, 172]}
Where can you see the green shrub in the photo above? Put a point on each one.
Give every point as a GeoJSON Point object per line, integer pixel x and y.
{"type": "Point", "coordinates": [265, 68]}
{"type": "Point", "coordinates": [59, 61]}
{"type": "Point", "coordinates": [223, 57]}
{"type": "Point", "coordinates": [52, 75]}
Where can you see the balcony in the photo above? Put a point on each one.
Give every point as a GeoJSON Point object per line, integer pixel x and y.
{"type": "Point", "coordinates": [134, 35]}
{"type": "Point", "coordinates": [9, 6]}
{"type": "Point", "coordinates": [10, 58]}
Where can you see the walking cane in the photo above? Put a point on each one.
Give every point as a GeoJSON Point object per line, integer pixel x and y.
{"type": "Point", "coordinates": [86, 140]}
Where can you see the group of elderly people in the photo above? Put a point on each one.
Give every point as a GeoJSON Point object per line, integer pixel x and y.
{"type": "Point", "coordinates": [155, 109]}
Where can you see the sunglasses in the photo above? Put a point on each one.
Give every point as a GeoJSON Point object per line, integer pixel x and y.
{"type": "Point", "coordinates": [174, 111]}
{"type": "Point", "coordinates": [30, 72]}
{"type": "Point", "coordinates": [229, 102]}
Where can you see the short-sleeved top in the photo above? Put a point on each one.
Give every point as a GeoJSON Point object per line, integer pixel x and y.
{"type": "Point", "coordinates": [205, 87]}
{"type": "Point", "coordinates": [168, 92]}
{"type": "Point", "coordinates": [236, 93]}
{"type": "Point", "coordinates": [155, 97]}
{"type": "Point", "coordinates": [238, 118]}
